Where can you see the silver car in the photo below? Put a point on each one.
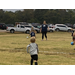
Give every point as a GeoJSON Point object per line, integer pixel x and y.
{"type": "Point", "coordinates": [62, 27]}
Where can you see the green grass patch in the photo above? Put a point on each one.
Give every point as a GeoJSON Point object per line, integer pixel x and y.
{"type": "Point", "coordinates": [56, 51]}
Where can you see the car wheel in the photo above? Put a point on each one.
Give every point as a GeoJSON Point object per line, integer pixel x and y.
{"type": "Point", "coordinates": [51, 30]}
{"type": "Point", "coordinates": [27, 31]}
{"type": "Point", "coordinates": [57, 30]}
{"type": "Point", "coordinates": [69, 30]}
{"type": "Point", "coordinates": [11, 31]}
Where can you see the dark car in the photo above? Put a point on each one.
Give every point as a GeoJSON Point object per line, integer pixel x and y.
{"type": "Point", "coordinates": [37, 27]}
{"type": "Point", "coordinates": [2, 26]}
{"type": "Point", "coordinates": [9, 25]}
{"type": "Point", "coordinates": [69, 25]}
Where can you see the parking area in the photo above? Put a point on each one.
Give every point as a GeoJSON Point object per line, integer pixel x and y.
{"type": "Point", "coordinates": [8, 31]}
{"type": "Point", "coordinates": [3, 31]}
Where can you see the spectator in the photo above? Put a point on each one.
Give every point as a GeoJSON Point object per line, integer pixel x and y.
{"type": "Point", "coordinates": [44, 30]}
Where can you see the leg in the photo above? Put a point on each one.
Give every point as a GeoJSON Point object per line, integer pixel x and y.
{"type": "Point", "coordinates": [31, 60]}
{"type": "Point", "coordinates": [35, 59]}
{"type": "Point", "coordinates": [46, 35]}
{"type": "Point", "coordinates": [74, 41]}
{"type": "Point", "coordinates": [35, 62]}
{"type": "Point", "coordinates": [42, 35]}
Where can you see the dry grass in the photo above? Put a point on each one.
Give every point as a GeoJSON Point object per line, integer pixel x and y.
{"type": "Point", "coordinates": [56, 51]}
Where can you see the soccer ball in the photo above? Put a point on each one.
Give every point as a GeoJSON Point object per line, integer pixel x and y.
{"type": "Point", "coordinates": [72, 43]}
{"type": "Point", "coordinates": [27, 37]}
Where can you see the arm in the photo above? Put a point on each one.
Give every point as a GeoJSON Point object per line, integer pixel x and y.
{"type": "Point", "coordinates": [28, 48]}
{"type": "Point", "coordinates": [40, 30]}
{"type": "Point", "coordinates": [72, 33]}
{"type": "Point", "coordinates": [48, 28]}
{"type": "Point", "coordinates": [37, 48]}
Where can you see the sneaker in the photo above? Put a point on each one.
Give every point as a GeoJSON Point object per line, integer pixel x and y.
{"type": "Point", "coordinates": [42, 40]}
{"type": "Point", "coordinates": [46, 39]}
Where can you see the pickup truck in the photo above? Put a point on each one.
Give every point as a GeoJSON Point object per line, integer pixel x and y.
{"type": "Point", "coordinates": [21, 28]}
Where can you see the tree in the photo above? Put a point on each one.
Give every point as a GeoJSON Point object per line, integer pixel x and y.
{"type": "Point", "coordinates": [39, 14]}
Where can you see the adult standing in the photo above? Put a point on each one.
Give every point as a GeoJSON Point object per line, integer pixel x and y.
{"type": "Point", "coordinates": [44, 30]}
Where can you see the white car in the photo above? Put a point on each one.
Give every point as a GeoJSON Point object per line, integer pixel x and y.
{"type": "Point", "coordinates": [51, 29]}
{"type": "Point", "coordinates": [22, 28]}
{"type": "Point", "coordinates": [18, 28]}
{"type": "Point", "coordinates": [62, 27]}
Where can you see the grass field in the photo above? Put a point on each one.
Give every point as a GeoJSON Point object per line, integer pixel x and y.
{"type": "Point", "coordinates": [56, 51]}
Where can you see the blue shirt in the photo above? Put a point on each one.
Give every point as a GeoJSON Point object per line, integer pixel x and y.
{"type": "Point", "coordinates": [32, 34]}
{"type": "Point", "coordinates": [44, 28]}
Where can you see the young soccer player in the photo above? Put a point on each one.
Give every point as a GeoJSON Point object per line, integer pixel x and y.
{"type": "Point", "coordinates": [74, 37]}
{"type": "Point", "coordinates": [33, 51]}
{"type": "Point", "coordinates": [72, 32]}
{"type": "Point", "coordinates": [32, 32]}
{"type": "Point", "coordinates": [72, 43]}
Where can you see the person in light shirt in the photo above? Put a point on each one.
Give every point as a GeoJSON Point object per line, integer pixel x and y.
{"type": "Point", "coordinates": [33, 51]}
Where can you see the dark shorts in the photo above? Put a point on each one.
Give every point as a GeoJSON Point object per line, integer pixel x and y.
{"type": "Point", "coordinates": [34, 57]}
{"type": "Point", "coordinates": [73, 38]}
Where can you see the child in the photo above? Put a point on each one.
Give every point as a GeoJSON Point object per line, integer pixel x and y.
{"type": "Point", "coordinates": [33, 50]}
{"type": "Point", "coordinates": [72, 43]}
{"type": "Point", "coordinates": [72, 32]}
{"type": "Point", "coordinates": [32, 32]}
{"type": "Point", "coordinates": [74, 37]}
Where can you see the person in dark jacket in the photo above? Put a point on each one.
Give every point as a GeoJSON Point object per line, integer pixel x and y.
{"type": "Point", "coordinates": [44, 30]}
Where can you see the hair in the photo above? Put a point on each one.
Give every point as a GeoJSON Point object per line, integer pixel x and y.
{"type": "Point", "coordinates": [32, 30]}
{"type": "Point", "coordinates": [44, 22]}
{"type": "Point", "coordinates": [32, 40]}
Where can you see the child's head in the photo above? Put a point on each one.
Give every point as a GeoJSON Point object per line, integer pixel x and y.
{"type": "Point", "coordinates": [32, 40]}
{"type": "Point", "coordinates": [32, 30]}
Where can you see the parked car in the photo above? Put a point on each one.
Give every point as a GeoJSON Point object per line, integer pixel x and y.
{"type": "Point", "coordinates": [37, 27]}
{"type": "Point", "coordinates": [18, 28]}
{"type": "Point", "coordinates": [21, 28]}
{"type": "Point", "coordinates": [69, 25]}
{"type": "Point", "coordinates": [51, 29]}
{"type": "Point", "coordinates": [62, 27]}
{"type": "Point", "coordinates": [9, 25]}
{"type": "Point", "coordinates": [2, 26]}
{"type": "Point", "coordinates": [73, 26]}
{"type": "Point", "coordinates": [30, 26]}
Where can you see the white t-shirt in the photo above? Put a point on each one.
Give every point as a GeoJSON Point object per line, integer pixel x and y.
{"type": "Point", "coordinates": [33, 48]}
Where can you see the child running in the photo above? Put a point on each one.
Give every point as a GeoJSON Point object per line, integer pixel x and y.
{"type": "Point", "coordinates": [33, 51]}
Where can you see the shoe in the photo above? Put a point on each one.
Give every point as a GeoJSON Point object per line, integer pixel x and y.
{"type": "Point", "coordinates": [42, 40]}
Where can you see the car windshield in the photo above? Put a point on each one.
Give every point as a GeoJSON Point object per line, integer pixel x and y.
{"type": "Point", "coordinates": [28, 26]}
{"type": "Point", "coordinates": [38, 26]}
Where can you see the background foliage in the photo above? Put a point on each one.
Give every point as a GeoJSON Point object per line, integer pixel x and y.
{"type": "Point", "coordinates": [38, 15]}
